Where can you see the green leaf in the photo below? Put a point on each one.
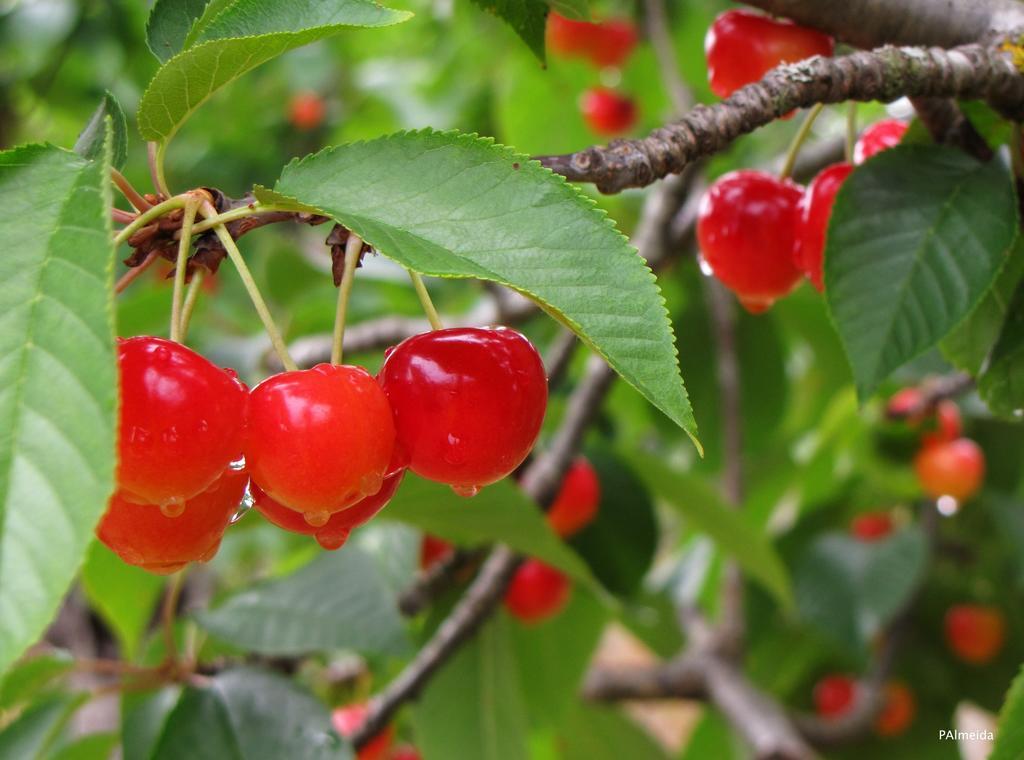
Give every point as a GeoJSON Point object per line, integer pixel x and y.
{"type": "Point", "coordinates": [34, 731]}
{"type": "Point", "coordinates": [143, 719]}
{"type": "Point", "coordinates": [499, 513]}
{"type": "Point", "coordinates": [916, 237]}
{"type": "Point", "coordinates": [605, 733]}
{"type": "Point", "coordinates": [1010, 730]}
{"type": "Point", "coordinates": [99, 746]}
{"type": "Point", "coordinates": [169, 24]}
{"type": "Point", "coordinates": [124, 596]}
{"type": "Point", "coordinates": [849, 588]}
{"type": "Point", "coordinates": [1002, 383]}
{"type": "Point", "coordinates": [337, 601]}
{"type": "Point", "coordinates": [457, 205]}
{"type": "Point", "coordinates": [244, 35]}
{"type": "Point", "coordinates": [528, 18]}
{"type": "Point", "coordinates": [57, 379]}
{"type": "Point", "coordinates": [700, 504]}
{"type": "Point", "coordinates": [247, 714]}
{"type": "Point", "coordinates": [473, 707]}
{"type": "Point", "coordinates": [971, 341]}
{"type": "Point", "coordinates": [620, 543]}
{"type": "Point", "coordinates": [31, 676]}
{"type": "Point", "coordinates": [90, 140]}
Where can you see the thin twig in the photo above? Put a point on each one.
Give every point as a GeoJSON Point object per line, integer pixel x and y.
{"type": "Point", "coordinates": [132, 195]}
{"type": "Point", "coordinates": [133, 274]}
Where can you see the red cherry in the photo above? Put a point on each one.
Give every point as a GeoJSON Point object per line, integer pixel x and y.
{"type": "Point", "coordinates": [406, 753]}
{"type": "Point", "coordinates": [320, 439]}
{"type": "Point", "coordinates": [182, 421]}
{"type": "Point", "coordinates": [576, 503]}
{"type": "Point", "coordinates": [746, 228]}
{"type": "Point", "coordinates": [880, 136]}
{"type": "Point", "coordinates": [871, 526]}
{"type": "Point", "coordinates": [898, 710]}
{"type": "Point", "coordinates": [741, 47]}
{"type": "Point", "coordinates": [975, 632]}
{"type": "Point", "coordinates": [604, 44]}
{"type": "Point", "coordinates": [468, 403]}
{"type": "Point", "coordinates": [948, 424]}
{"type": "Point", "coordinates": [142, 535]}
{"type": "Point", "coordinates": [953, 468]}
{"type": "Point", "coordinates": [347, 721]}
{"type": "Point", "coordinates": [814, 210]}
{"type": "Point", "coordinates": [433, 549]}
{"type": "Point", "coordinates": [834, 695]}
{"type": "Point", "coordinates": [906, 403]}
{"type": "Point", "coordinates": [335, 532]}
{"type": "Point", "coordinates": [306, 111]}
{"type": "Point", "coordinates": [537, 592]}
{"type": "Point", "coordinates": [607, 112]}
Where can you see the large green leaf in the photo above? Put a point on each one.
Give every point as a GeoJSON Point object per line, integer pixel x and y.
{"type": "Point", "coordinates": [29, 677]}
{"type": "Point", "coordinates": [456, 205]}
{"type": "Point", "coordinates": [337, 601]}
{"type": "Point", "coordinates": [1002, 384]}
{"type": "Point", "coordinates": [241, 37]}
{"type": "Point", "coordinates": [499, 513]}
{"type": "Point", "coordinates": [247, 714]}
{"type": "Point", "coordinates": [34, 732]}
{"type": "Point", "coordinates": [124, 596]}
{"type": "Point", "coordinates": [527, 17]}
{"type": "Point", "coordinates": [701, 505]}
{"type": "Point", "coordinates": [143, 719]}
{"type": "Point", "coordinates": [473, 707]}
{"type": "Point", "coordinates": [57, 379]}
{"type": "Point", "coordinates": [169, 24]}
{"type": "Point", "coordinates": [90, 141]}
{"type": "Point", "coordinates": [1010, 733]}
{"type": "Point", "coordinates": [849, 588]}
{"type": "Point", "coordinates": [916, 237]}
{"type": "Point", "coordinates": [605, 733]}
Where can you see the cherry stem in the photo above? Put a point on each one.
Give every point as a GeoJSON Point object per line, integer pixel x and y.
{"type": "Point", "coordinates": [851, 130]}
{"type": "Point", "coordinates": [181, 267]}
{"type": "Point", "coordinates": [190, 301]}
{"type": "Point", "coordinates": [353, 246]}
{"type": "Point", "coordinates": [424, 296]}
{"type": "Point", "coordinates": [798, 140]}
{"type": "Point", "coordinates": [132, 195]}
{"type": "Point", "coordinates": [250, 285]}
{"type": "Point", "coordinates": [155, 154]}
{"type": "Point", "coordinates": [230, 216]}
{"type": "Point", "coordinates": [115, 667]}
{"type": "Point", "coordinates": [149, 215]}
{"type": "Point", "coordinates": [132, 274]}
{"type": "Point", "coordinates": [121, 216]}
{"type": "Point", "coordinates": [1016, 157]}
{"type": "Point", "coordinates": [169, 611]}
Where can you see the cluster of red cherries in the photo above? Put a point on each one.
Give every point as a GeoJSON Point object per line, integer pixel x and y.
{"type": "Point", "coordinates": [607, 44]}
{"type": "Point", "coordinates": [760, 235]}
{"type": "Point", "coordinates": [347, 720]}
{"type": "Point", "coordinates": [320, 451]}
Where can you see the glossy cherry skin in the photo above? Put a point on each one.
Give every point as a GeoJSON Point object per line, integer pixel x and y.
{"type": "Point", "coordinates": [834, 695]}
{"type": "Point", "coordinates": [347, 721]}
{"type": "Point", "coordinates": [606, 112]}
{"type": "Point", "coordinates": [142, 535]}
{"type": "Point", "coordinates": [906, 404]}
{"type": "Point", "coordinates": [319, 440]}
{"type": "Point", "coordinates": [537, 592]}
{"type": "Point", "coordinates": [741, 47]}
{"type": "Point", "coordinates": [608, 43]}
{"type": "Point", "coordinates": [746, 228]}
{"type": "Point", "coordinates": [975, 632]}
{"type": "Point", "coordinates": [871, 526]}
{"type": "Point", "coordinates": [306, 111]}
{"type": "Point", "coordinates": [815, 211]}
{"type": "Point", "coordinates": [576, 504]}
{"type": "Point", "coordinates": [468, 403]}
{"type": "Point", "coordinates": [953, 468]}
{"type": "Point", "coordinates": [946, 425]}
{"type": "Point", "coordinates": [880, 136]}
{"type": "Point", "coordinates": [335, 532]}
{"type": "Point", "coordinates": [182, 421]}
{"type": "Point", "coordinates": [433, 549]}
{"type": "Point", "coordinates": [898, 710]}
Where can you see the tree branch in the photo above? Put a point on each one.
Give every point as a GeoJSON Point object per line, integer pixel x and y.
{"type": "Point", "coordinates": [972, 71]}
{"type": "Point", "coordinates": [948, 126]}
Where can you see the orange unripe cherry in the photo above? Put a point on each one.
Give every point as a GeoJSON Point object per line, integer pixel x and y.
{"type": "Point", "coordinates": [953, 468]}
{"type": "Point", "coordinates": [898, 710]}
{"type": "Point", "coordinates": [975, 632]}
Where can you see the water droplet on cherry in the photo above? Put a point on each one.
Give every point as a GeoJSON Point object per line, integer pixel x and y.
{"type": "Point", "coordinates": [466, 492]}
{"type": "Point", "coordinates": [316, 519]}
{"type": "Point", "coordinates": [173, 508]}
{"type": "Point", "coordinates": [705, 268]}
{"type": "Point", "coordinates": [244, 505]}
{"type": "Point", "coordinates": [238, 465]}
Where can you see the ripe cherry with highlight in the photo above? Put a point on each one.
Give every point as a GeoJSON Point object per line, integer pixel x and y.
{"type": "Point", "coordinates": [975, 632]}
{"type": "Point", "coordinates": [814, 213]}
{"type": "Point", "coordinates": [141, 535]}
{"type": "Point", "coordinates": [537, 592]}
{"type": "Point", "coordinates": [319, 440]}
{"type": "Point", "coordinates": [741, 47]}
{"type": "Point", "coordinates": [880, 136]}
{"type": "Point", "coordinates": [182, 422]}
{"type": "Point", "coordinates": [576, 504]}
{"type": "Point", "coordinates": [834, 695]}
{"type": "Point", "coordinates": [952, 468]}
{"type": "Point", "coordinates": [468, 403]}
{"type": "Point", "coordinates": [347, 721]}
{"type": "Point", "coordinates": [608, 112]}
{"type": "Point", "coordinates": [746, 228]}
